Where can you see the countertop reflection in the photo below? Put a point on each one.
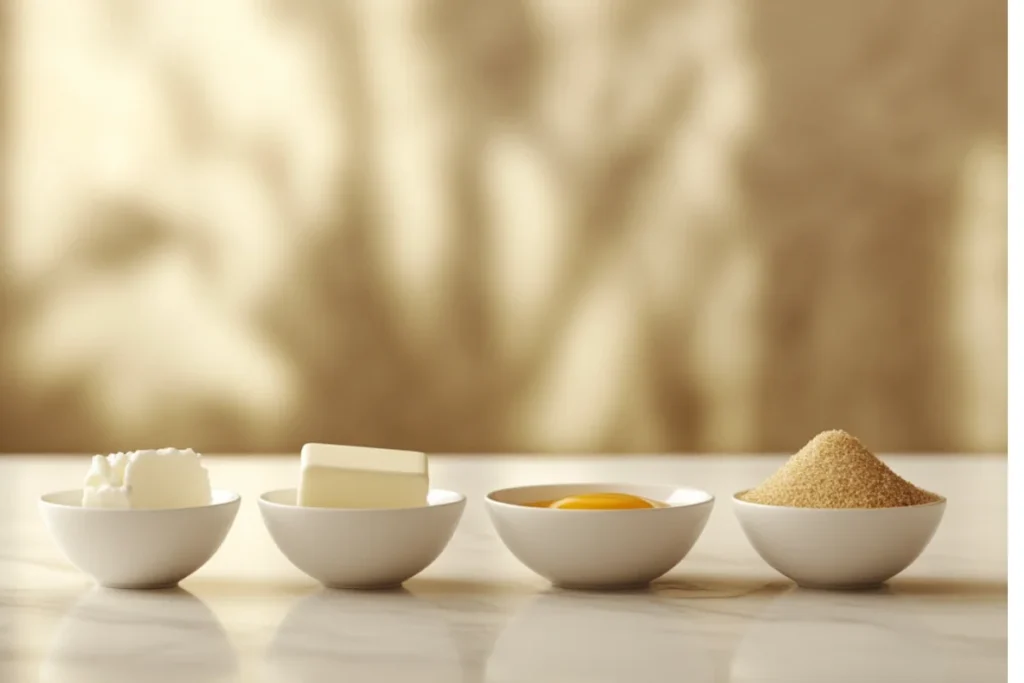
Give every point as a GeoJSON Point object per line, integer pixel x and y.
{"type": "Point", "coordinates": [110, 636]}
{"type": "Point", "coordinates": [929, 631]}
{"type": "Point", "coordinates": [564, 636]}
{"type": "Point", "coordinates": [364, 636]}
{"type": "Point", "coordinates": [478, 616]}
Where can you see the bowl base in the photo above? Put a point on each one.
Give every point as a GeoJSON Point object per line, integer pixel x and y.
{"type": "Point", "coordinates": [139, 586]}
{"type": "Point", "coordinates": [846, 588]}
{"type": "Point", "coordinates": [590, 588]}
{"type": "Point", "coordinates": [363, 587]}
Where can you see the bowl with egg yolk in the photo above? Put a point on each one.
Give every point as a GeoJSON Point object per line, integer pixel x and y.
{"type": "Point", "coordinates": [599, 535]}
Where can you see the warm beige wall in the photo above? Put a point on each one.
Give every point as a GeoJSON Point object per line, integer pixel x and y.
{"type": "Point", "coordinates": [539, 225]}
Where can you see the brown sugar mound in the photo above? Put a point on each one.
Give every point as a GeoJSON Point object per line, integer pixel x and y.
{"type": "Point", "coordinates": [834, 470]}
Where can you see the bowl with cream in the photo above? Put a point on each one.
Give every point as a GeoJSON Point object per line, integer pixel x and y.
{"type": "Point", "coordinates": [600, 535]}
{"type": "Point", "coordinates": [143, 519]}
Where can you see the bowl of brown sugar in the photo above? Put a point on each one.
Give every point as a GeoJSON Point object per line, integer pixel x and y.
{"type": "Point", "coordinates": [836, 517]}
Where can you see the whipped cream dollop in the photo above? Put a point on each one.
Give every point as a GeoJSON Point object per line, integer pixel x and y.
{"type": "Point", "coordinates": [147, 480]}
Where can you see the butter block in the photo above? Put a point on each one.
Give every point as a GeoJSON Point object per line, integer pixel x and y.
{"type": "Point", "coordinates": [147, 480]}
{"type": "Point", "coordinates": [358, 477]}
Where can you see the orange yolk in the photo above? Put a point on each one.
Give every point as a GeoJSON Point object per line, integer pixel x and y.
{"type": "Point", "coordinates": [599, 501]}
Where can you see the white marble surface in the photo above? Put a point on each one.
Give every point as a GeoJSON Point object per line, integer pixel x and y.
{"type": "Point", "coordinates": [477, 615]}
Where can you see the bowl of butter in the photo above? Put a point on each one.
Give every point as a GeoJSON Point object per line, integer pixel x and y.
{"type": "Point", "coordinates": [361, 517]}
{"type": "Point", "coordinates": [144, 519]}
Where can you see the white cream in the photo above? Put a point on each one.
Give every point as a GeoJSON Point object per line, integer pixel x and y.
{"type": "Point", "coordinates": [357, 477]}
{"type": "Point", "coordinates": [147, 480]}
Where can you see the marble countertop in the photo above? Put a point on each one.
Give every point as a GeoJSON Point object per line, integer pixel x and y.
{"type": "Point", "coordinates": [477, 615]}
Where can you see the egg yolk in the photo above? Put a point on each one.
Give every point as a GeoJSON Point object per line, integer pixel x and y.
{"type": "Point", "coordinates": [600, 501]}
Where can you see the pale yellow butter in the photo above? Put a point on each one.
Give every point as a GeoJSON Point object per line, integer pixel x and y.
{"type": "Point", "coordinates": [359, 477]}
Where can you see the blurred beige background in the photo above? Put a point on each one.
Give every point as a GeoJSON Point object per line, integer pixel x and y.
{"type": "Point", "coordinates": [536, 225]}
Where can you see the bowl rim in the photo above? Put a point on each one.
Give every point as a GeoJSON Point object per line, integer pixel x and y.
{"type": "Point", "coordinates": [261, 500]}
{"type": "Point", "coordinates": [609, 486]}
{"type": "Point", "coordinates": [231, 498]}
{"type": "Point", "coordinates": [739, 502]}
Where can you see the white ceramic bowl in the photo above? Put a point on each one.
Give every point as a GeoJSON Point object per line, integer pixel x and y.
{"type": "Point", "coordinates": [376, 548]}
{"type": "Point", "coordinates": [138, 548]}
{"type": "Point", "coordinates": [839, 549]}
{"type": "Point", "coordinates": [599, 549]}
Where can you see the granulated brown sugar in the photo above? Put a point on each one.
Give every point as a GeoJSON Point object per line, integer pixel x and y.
{"type": "Point", "coordinates": [834, 470]}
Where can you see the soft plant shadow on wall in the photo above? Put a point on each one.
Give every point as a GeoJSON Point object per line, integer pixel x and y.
{"type": "Point", "coordinates": [459, 226]}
